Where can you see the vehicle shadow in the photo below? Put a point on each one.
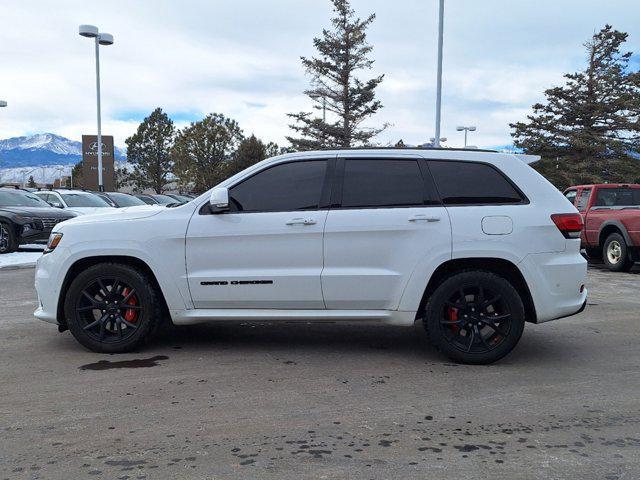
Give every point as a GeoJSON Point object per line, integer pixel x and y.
{"type": "Point", "coordinates": [325, 340]}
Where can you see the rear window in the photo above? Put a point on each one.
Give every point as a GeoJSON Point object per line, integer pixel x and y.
{"type": "Point", "coordinates": [471, 183]}
{"type": "Point", "coordinates": [618, 197]}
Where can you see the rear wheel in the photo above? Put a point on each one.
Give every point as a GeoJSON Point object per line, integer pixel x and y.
{"type": "Point", "coordinates": [615, 253]}
{"type": "Point", "coordinates": [8, 241]}
{"type": "Point", "coordinates": [474, 317]}
{"type": "Point", "coordinates": [112, 308]}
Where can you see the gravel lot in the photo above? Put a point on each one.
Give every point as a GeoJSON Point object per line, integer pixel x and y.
{"type": "Point", "coordinates": [322, 401]}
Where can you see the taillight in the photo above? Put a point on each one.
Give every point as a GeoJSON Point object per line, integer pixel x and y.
{"type": "Point", "coordinates": [569, 224]}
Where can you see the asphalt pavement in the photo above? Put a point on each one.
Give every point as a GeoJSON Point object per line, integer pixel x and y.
{"type": "Point", "coordinates": [293, 401]}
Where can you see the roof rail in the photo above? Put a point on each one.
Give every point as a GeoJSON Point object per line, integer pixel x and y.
{"type": "Point", "coordinates": [419, 147]}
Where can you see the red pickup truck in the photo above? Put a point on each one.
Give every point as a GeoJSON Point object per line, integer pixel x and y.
{"type": "Point", "coordinates": [611, 215]}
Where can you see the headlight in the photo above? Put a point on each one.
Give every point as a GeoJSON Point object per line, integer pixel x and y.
{"type": "Point", "coordinates": [54, 240]}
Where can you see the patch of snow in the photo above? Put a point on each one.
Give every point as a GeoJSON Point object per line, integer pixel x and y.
{"type": "Point", "coordinates": [19, 259]}
{"type": "Point", "coordinates": [33, 246]}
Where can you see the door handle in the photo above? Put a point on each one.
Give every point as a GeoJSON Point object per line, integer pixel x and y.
{"type": "Point", "coordinates": [301, 221]}
{"type": "Point", "coordinates": [424, 218]}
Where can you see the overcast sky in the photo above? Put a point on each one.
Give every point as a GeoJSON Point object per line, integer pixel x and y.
{"type": "Point", "coordinates": [241, 58]}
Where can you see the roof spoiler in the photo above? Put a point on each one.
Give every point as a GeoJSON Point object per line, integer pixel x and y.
{"type": "Point", "coordinates": [528, 159]}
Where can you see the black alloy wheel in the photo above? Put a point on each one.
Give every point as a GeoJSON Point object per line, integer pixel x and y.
{"type": "Point", "coordinates": [112, 308]}
{"type": "Point", "coordinates": [475, 317]}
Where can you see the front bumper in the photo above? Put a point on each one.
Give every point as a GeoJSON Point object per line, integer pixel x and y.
{"type": "Point", "coordinates": [48, 285]}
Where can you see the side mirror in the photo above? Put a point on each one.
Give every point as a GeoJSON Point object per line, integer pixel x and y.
{"type": "Point", "coordinates": [219, 200]}
{"type": "Point", "coordinates": [55, 204]}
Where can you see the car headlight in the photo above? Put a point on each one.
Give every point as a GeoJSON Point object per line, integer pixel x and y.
{"type": "Point", "coordinates": [54, 240]}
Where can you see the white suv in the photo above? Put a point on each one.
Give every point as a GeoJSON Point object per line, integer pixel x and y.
{"type": "Point", "coordinates": [470, 243]}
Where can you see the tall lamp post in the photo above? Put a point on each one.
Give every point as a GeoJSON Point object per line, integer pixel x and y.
{"type": "Point", "coordinates": [90, 31]}
{"type": "Point", "coordinates": [466, 131]}
{"type": "Point", "coordinates": [439, 80]}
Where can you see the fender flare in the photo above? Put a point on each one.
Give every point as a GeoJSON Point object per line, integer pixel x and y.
{"type": "Point", "coordinates": [620, 226]}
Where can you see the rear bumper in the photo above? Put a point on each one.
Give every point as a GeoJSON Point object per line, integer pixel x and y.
{"type": "Point", "coordinates": [555, 281]}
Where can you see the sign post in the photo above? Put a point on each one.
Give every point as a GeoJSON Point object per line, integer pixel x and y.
{"type": "Point", "coordinates": [90, 150]}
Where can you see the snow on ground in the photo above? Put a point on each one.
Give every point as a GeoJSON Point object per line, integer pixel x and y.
{"type": "Point", "coordinates": [19, 259]}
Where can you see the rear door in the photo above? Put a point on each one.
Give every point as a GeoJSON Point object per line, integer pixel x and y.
{"type": "Point", "coordinates": [385, 218]}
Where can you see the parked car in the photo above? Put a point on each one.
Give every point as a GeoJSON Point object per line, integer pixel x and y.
{"type": "Point", "coordinates": [611, 214]}
{"type": "Point", "coordinates": [180, 198]}
{"type": "Point", "coordinates": [120, 200]}
{"type": "Point", "coordinates": [156, 199]}
{"type": "Point", "coordinates": [25, 219]}
{"type": "Point", "coordinates": [470, 243]}
{"type": "Point", "coordinates": [79, 202]}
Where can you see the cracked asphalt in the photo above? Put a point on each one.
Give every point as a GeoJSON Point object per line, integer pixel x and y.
{"type": "Point", "coordinates": [292, 401]}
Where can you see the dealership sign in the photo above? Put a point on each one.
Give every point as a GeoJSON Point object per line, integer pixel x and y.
{"type": "Point", "coordinates": [90, 162]}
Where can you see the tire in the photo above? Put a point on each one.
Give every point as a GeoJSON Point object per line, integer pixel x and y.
{"type": "Point", "coordinates": [472, 329]}
{"type": "Point", "coordinates": [103, 325]}
{"type": "Point", "coordinates": [8, 240]}
{"type": "Point", "coordinates": [615, 253]}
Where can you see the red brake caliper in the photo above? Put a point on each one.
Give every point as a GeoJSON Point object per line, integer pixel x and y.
{"type": "Point", "coordinates": [453, 317]}
{"type": "Point", "coordinates": [130, 315]}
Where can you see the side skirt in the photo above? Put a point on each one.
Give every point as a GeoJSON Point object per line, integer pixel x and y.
{"type": "Point", "coordinates": [387, 317]}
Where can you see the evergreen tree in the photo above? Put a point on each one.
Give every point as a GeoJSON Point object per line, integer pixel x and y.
{"type": "Point", "coordinates": [342, 52]}
{"type": "Point", "coordinates": [148, 151]}
{"type": "Point", "coordinates": [31, 183]}
{"type": "Point", "coordinates": [587, 129]}
{"type": "Point", "coordinates": [76, 174]}
{"type": "Point", "coordinates": [202, 150]}
{"type": "Point", "coordinates": [250, 151]}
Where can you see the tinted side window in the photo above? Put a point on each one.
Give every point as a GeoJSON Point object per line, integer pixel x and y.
{"type": "Point", "coordinates": [382, 183]}
{"type": "Point", "coordinates": [287, 187]}
{"type": "Point", "coordinates": [470, 183]}
{"type": "Point", "coordinates": [583, 199]}
{"type": "Point", "coordinates": [618, 197]}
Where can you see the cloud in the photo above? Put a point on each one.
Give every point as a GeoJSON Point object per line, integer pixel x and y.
{"type": "Point", "coordinates": [242, 59]}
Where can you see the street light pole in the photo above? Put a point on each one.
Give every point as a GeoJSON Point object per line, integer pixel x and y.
{"type": "Point", "coordinates": [439, 81]}
{"type": "Point", "coordinates": [466, 130]}
{"type": "Point", "coordinates": [90, 31]}
{"type": "Point", "coordinates": [100, 182]}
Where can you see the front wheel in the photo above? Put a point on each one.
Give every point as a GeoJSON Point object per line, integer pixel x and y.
{"type": "Point", "coordinates": [112, 308]}
{"type": "Point", "coordinates": [474, 317]}
{"type": "Point", "coordinates": [8, 241]}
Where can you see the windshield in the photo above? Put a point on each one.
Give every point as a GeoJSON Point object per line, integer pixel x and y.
{"type": "Point", "coordinates": [83, 200]}
{"type": "Point", "coordinates": [124, 200]}
{"type": "Point", "coordinates": [21, 199]}
{"type": "Point", "coordinates": [164, 199]}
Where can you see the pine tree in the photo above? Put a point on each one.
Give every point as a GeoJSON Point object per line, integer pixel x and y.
{"type": "Point", "coordinates": [76, 174]}
{"type": "Point", "coordinates": [202, 150]}
{"type": "Point", "coordinates": [31, 183]}
{"type": "Point", "coordinates": [148, 151]}
{"type": "Point", "coordinates": [250, 151]}
{"type": "Point", "coordinates": [342, 52]}
{"type": "Point", "coordinates": [587, 130]}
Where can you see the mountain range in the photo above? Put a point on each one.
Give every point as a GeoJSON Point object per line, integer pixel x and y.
{"type": "Point", "coordinates": [42, 149]}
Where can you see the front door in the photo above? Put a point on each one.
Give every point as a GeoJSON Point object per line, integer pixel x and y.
{"type": "Point", "coordinates": [385, 220]}
{"type": "Point", "coordinates": [267, 251]}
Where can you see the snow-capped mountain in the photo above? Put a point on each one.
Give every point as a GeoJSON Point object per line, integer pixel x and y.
{"type": "Point", "coordinates": [42, 149]}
